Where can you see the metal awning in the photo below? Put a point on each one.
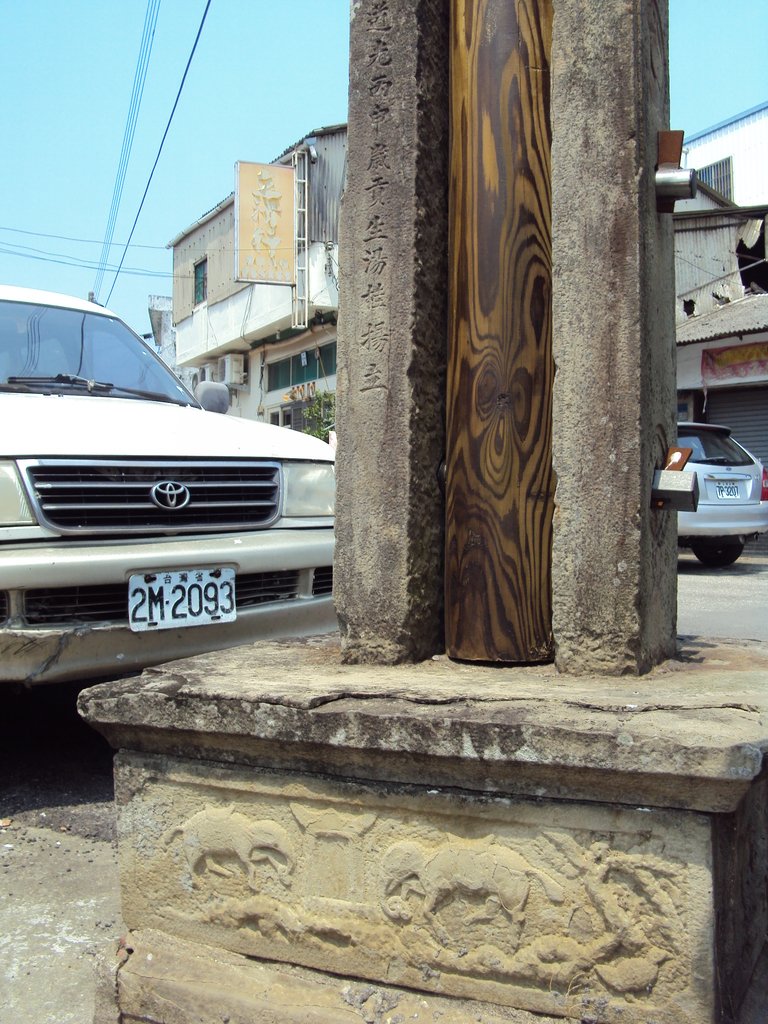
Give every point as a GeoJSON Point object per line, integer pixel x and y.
{"type": "Point", "coordinates": [733, 319]}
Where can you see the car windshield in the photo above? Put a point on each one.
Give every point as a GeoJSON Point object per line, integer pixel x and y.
{"type": "Point", "coordinates": [713, 447]}
{"type": "Point", "coordinates": [49, 348]}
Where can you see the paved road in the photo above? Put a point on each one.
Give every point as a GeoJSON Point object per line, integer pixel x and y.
{"type": "Point", "coordinates": [730, 602]}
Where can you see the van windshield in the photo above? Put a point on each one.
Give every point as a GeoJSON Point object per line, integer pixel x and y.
{"type": "Point", "coordinates": [52, 349]}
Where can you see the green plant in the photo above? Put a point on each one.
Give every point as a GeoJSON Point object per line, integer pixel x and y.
{"type": "Point", "coordinates": [320, 415]}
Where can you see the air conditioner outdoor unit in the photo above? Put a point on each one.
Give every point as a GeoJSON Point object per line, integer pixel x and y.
{"type": "Point", "coordinates": [232, 370]}
{"type": "Point", "coordinates": [208, 371]}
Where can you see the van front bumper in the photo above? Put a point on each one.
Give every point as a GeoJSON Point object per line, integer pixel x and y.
{"type": "Point", "coordinates": [32, 652]}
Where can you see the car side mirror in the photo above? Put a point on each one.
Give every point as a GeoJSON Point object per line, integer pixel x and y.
{"type": "Point", "coordinates": [213, 397]}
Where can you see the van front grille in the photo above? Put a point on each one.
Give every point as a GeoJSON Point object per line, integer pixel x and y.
{"type": "Point", "coordinates": [59, 606]}
{"type": "Point", "coordinates": [322, 581]}
{"type": "Point", "coordinates": [96, 496]}
{"type": "Point", "coordinates": [108, 603]}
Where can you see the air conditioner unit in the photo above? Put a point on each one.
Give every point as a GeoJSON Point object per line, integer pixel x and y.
{"type": "Point", "coordinates": [208, 371]}
{"type": "Point", "coordinates": [231, 370]}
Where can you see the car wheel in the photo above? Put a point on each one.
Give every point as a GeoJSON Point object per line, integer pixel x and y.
{"type": "Point", "coordinates": [718, 552]}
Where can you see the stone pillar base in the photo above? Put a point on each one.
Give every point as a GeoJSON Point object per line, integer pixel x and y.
{"type": "Point", "coordinates": [167, 980]}
{"type": "Point", "coordinates": [383, 844]}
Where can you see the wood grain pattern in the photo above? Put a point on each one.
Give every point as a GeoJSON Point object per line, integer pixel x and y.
{"type": "Point", "coordinates": [499, 478]}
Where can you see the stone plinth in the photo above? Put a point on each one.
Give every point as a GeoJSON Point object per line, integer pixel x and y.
{"type": "Point", "coordinates": [329, 844]}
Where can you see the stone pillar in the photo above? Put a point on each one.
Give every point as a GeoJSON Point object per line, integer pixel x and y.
{"type": "Point", "coordinates": [614, 561]}
{"type": "Point", "coordinates": [613, 578]}
{"type": "Point", "coordinates": [392, 334]}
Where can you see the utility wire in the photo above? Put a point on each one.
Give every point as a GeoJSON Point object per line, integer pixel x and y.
{"type": "Point", "coordinates": [69, 238]}
{"type": "Point", "coordinates": [140, 76]}
{"type": "Point", "coordinates": [162, 143]}
{"type": "Point", "coordinates": [68, 261]}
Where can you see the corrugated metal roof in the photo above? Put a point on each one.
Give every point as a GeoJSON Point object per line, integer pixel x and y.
{"type": "Point", "coordinates": [735, 319]}
{"type": "Point", "coordinates": [205, 217]}
{"type": "Point", "coordinates": [729, 209]}
{"type": "Point", "coordinates": [729, 121]}
{"type": "Point", "coordinates": [706, 262]}
{"type": "Point", "coordinates": [707, 271]}
{"type": "Point", "coordinates": [328, 130]}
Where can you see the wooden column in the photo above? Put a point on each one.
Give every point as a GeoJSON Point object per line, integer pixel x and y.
{"type": "Point", "coordinates": [499, 478]}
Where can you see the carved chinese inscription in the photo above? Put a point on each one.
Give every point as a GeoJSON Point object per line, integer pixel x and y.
{"type": "Point", "coordinates": [376, 254]}
{"type": "Point", "coordinates": [556, 910]}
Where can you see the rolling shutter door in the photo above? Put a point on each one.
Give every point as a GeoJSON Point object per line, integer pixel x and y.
{"type": "Point", "coordinates": [745, 411]}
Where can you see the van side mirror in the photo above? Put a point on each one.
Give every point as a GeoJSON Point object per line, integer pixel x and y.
{"type": "Point", "coordinates": [212, 396]}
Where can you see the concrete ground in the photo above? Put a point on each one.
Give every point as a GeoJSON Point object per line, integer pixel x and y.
{"type": "Point", "coordinates": [59, 896]}
{"type": "Point", "coordinates": [729, 602]}
{"type": "Point", "coordinates": [60, 910]}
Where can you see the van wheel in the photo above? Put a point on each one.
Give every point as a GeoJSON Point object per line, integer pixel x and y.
{"type": "Point", "coordinates": [718, 552]}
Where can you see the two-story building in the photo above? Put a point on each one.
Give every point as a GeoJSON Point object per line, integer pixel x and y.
{"type": "Point", "coordinates": [255, 283]}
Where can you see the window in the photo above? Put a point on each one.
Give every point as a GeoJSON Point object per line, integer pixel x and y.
{"type": "Point", "coordinates": [713, 446]}
{"type": "Point", "coordinates": [282, 417]}
{"type": "Point", "coordinates": [279, 375]}
{"type": "Point", "coordinates": [312, 364]}
{"type": "Point", "coordinates": [719, 176]}
{"type": "Point", "coordinates": [304, 367]}
{"type": "Point", "coordinates": [327, 360]}
{"type": "Point", "coordinates": [201, 281]}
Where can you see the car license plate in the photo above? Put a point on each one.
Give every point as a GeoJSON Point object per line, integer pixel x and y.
{"type": "Point", "coordinates": [188, 597]}
{"type": "Point", "coordinates": [728, 491]}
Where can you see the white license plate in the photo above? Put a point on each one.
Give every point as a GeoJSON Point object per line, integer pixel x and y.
{"type": "Point", "coordinates": [727, 491]}
{"type": "Point", "coordinates": [188, 597]}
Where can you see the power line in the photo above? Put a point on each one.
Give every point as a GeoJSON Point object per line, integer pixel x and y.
{"type": "Point", "coordinates": [142, 65]}
{"type": "Point", "coordinates": [162, 143]}
{"type": "Point", "coordinates": [69, 238]}
{"type": "Point", "coordinates": [71, 262]}
{"type": "Point", "coordinates": [222, 250]}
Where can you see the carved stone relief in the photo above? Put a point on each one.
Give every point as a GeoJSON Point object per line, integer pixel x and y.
{"type": "Point", "coordinates": [551, 908]}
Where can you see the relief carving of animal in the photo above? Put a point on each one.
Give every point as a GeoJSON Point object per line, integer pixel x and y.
{"type": "Point", "coordinates": [214, 838]}
{"type": "Point", "coordinates": [489, 872]}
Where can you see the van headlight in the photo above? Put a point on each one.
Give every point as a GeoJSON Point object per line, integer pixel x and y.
{"type": "Point", "coordinates": [309, 489]}
{"type": "Point", "coordinates": [14, 507]}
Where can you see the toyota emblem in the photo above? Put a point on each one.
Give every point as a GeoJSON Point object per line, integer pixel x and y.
{"type": "Point", "coordinates": [168, 494]}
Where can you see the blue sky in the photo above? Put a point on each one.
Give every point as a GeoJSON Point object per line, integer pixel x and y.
{"type": "Point", "coordinates": [265, 73]}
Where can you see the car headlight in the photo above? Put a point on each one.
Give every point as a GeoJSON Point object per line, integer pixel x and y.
{"type": "Point", "coordinates": [309, 489]}
{"type": "Point", "coordinates": [14, 508]}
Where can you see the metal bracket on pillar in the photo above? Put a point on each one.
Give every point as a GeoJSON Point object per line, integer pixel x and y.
{"type": "Point", "coordinates": [672, 487]}
{"type": "Point", "coordinates": [673, 182]}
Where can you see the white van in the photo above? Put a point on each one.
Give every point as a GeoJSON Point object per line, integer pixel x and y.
{"type": "Point", "coordinates": [135, 526]}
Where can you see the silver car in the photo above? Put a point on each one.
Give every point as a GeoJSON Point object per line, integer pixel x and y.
{"type": "Point", "coordinates": [733, 495]}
